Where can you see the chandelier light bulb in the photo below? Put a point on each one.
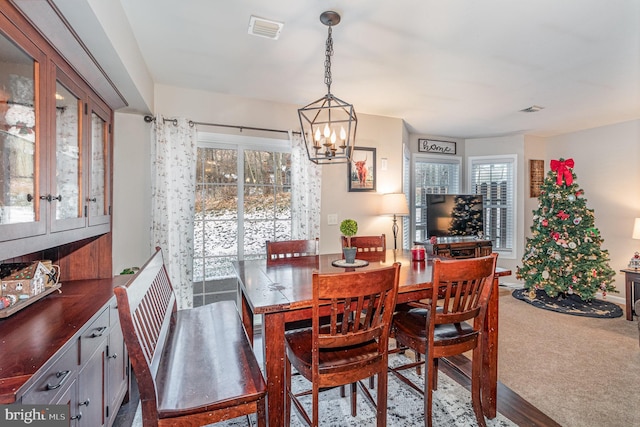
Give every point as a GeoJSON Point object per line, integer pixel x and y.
{"type": "Point", "coordinates": [318, 135]}
{"type": "Point", "coordinates": [343, 133]}
{"type": "Point", "coordinates": [333, 137]}
{"type": "Point", "coordinates": [327, 130]}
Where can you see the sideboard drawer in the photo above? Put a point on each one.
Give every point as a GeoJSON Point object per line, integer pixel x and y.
{"type": "Point", "coordinates": [94, 336]}
{"type": "Point", "coordinates": [60, 375]}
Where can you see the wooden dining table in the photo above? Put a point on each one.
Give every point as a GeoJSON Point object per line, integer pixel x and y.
{"type": "Point", "coordinates": [282, 293]}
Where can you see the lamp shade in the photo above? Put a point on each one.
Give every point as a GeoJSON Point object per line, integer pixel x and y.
{"type": "Point", "coordinates": [394, 204]}
{"type": "Point", "coordinates": [636, 229]}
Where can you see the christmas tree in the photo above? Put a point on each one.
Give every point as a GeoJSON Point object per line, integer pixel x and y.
{"type": "Point", "coordinates": [466, 216]}
{"type": "Point", "coordinates": [564, 256]}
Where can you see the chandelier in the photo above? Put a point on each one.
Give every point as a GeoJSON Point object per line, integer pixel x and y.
{"type": "Point", "coordinates": [328, 124]}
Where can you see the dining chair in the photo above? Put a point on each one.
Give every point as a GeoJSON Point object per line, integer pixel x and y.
{"type": "Point", "coordinates": [450, 323]}
{"type": "Point", "coordinates": [348, 340]}
{"type": "Point", "coordinates": [290, 250]}
{"type": "Point", "coordinates": [369, 248]}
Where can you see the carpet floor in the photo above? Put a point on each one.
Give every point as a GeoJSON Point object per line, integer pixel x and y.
{"type": "Point", "coordinates": [580, 371]}
{"type": "Point", "coordinates": [451, 406]}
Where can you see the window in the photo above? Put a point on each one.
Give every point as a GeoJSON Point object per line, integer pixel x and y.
{"type": "Point", "coordinates": [494, 178]}
{"type": "Point", "coordinates": [243, 198]}
{"type": "Point", "coordinates": [431, 175]}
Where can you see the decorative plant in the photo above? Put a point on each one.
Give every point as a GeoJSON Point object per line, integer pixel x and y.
{"type": "Point", "coordinates": [348, 228]}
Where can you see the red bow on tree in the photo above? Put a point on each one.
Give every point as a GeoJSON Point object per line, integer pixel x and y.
{"type": "Point", "coordinates": [562, 168]}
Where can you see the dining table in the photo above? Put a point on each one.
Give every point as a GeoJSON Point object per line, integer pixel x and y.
{"type": "Point", "coordinates": [281, 293]}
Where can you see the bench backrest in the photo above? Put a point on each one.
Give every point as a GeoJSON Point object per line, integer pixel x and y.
{"type": "Point", "coordinates": [145, 306]}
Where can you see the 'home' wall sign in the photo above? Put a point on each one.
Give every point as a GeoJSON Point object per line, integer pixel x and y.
{"type": "Point", "coordinates": [439, 147]}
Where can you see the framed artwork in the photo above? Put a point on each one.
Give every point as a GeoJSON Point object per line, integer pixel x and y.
{"type": "Point", "coordinates": [362, 169]}
{"type": "Point", "coordinates": [438, 147]}
{"type": "Point", "coordinates": [536, 177]}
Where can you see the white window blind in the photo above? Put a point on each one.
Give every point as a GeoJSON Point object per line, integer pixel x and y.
{"type": "Point", "coordinates": [494, 178]}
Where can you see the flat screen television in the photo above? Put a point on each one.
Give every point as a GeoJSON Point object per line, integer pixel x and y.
{"type": "Point", "coordinates": [454, 215]}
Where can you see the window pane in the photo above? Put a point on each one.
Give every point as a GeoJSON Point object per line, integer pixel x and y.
{"type": "Point", "coordinates": [68, 152]}
{"type": "Point", "coordinates": [18, 137]}
{"type": "Point", "coordinates": [432, 176]}
{"type": "Point", "coordinates": [97, 207]}
{"type": "Point", "coordinates": [243, 198]}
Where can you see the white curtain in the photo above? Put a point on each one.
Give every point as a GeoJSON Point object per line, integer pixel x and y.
{"type": "Point", "coordinates": [173, 157]}
{"type": "Point", "coordinates": [306, 179]}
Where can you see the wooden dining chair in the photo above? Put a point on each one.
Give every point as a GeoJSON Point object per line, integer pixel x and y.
{"type": "Point", "coordinates": [290, 250]}
{"type": "Point", "coordinates": [450, 323]}
{"type": "Point", "coordinates": [370, 248]}
{"type": "Point", "coordinates": [348, 340]}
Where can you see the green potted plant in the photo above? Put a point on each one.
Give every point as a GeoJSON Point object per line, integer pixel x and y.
{"type": "Point", "coordinates": [349, 228]}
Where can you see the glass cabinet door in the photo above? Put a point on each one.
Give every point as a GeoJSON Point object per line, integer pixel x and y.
{"type": "Point", "coordinates": [21, 210]}
{"type": "Point", "coordinates": [98, 199]}
{"type": "Point", "coordinates": [67, 190]}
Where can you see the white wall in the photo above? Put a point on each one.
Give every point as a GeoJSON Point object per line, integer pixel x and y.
{"type": "Point", "coordinates": [131, 192]}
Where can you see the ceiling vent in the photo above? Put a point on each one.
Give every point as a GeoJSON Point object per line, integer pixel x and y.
{"type": "Point", "coordinates": [265, 28]}
{"type": "Point", "coordinates": [532, 109]}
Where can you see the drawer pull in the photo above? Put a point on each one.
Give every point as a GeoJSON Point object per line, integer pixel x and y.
{"type": "Point", "coordinates": [99, 332]}
{"type": "Point", "coordinates": [77, 417]}
{"type": "Point", "coordinates": [63, 377]}
{"type": "Point", "coordinates": [113, 356]}
{"type": "Point", "coordinates": [85, 403]}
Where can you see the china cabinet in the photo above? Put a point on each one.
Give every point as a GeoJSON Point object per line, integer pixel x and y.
{"type": "Point", "coordinates": [56, 140]}
{"type": "Point", "coordinates": [56, 204]}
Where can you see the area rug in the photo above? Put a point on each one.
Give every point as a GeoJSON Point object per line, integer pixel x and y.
{"type": "Point", "coordinates": [571, 304]}
{"type": "Point", "coordinates": [451, 406]}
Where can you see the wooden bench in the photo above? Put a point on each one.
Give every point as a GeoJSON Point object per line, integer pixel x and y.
{"type": "Point", "coordinates": [194, 366]}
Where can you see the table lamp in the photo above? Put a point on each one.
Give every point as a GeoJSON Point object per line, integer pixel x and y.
{"type": "Point", "coordinates": [394, 204]}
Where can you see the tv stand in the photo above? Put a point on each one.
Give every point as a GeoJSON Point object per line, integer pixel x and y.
{"type": "Point", "coordinates": [458, 247]}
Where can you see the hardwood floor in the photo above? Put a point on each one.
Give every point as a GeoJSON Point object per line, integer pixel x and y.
{"type": "Point", "coordinates": [510, 404]}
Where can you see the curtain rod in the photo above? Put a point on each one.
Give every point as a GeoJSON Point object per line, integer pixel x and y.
{"type": "Point", "coordinates": [150, 119]}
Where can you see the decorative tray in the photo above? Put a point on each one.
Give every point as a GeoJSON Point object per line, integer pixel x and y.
{"type": "Point", "coordinates": [343, 263]}
{"type": "Point", "coordinates": [6, 312]}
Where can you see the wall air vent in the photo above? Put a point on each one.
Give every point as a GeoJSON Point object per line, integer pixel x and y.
{"type": "Point", "coordinates": [532, 109]}
{"type": "Point", "coordinates": [265, 28]}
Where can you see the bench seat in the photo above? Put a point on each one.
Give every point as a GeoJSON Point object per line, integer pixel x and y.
{"type": "Point", "coordinates": [196, 371]}
{"type": "Point", "coordinates": [194, 367]}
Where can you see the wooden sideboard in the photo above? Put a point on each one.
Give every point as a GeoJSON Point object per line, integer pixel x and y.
{"type": "Point", "coordinates": [458, 247]}
{"type": "Point", "coordinates": [68, 349]}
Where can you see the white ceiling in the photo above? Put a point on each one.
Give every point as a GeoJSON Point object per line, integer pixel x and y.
{"type": "Point", "coordinates": [458, 68]}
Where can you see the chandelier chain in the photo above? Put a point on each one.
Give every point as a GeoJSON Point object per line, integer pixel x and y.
{"type": "Point", "coordinates": [327, 61]}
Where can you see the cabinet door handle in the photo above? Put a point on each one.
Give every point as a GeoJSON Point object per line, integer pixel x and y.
{"type": "Point", "coordinates": [85, 403]}
{"type": "Point", "coordinates": [77, 417]}
{"type": "Point", "coordinates": [89, 199]}
{"type": "Point", "coordinates": [29, 198]}
{"type": "Point", "coordinates": [63, 377]}
{"type": "Point", "coordinates": [99, 332]}
{"type": "Point", "coordinates": [59, 198]}
{"type": "Point", "coordinates": [113, 356]}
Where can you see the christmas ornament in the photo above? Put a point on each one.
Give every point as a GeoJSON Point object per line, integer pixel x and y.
{"type": "Point", "coordinates": [571, 198]}
{"type": "Point", "coordinates": [577, 220]}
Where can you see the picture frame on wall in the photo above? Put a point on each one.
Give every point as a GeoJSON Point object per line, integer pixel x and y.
{"type": "Point", "coordinates": [362, 169]}
{"type": "Point", "coordinates": [536, 177]}
{"type": "Point", "coordinates": [435, 146]}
